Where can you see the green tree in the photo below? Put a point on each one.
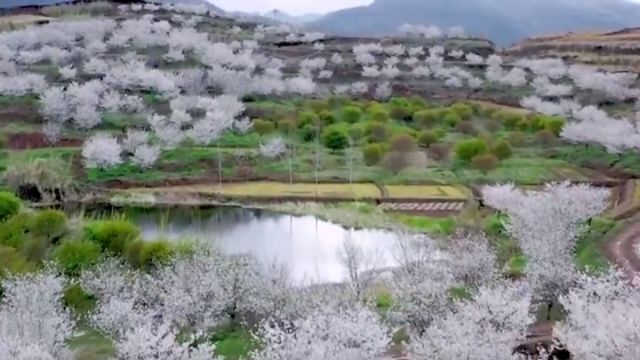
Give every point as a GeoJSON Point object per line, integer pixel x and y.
{"type": "Point", "coordinates": [403, 143]}
{"type": "Point", "coordinates": [400, 112]}
{"type": "Point", "coordinates": [427, 118]}
{"type": "Point", "coordinates": [335, 138]}
{"type": "Point", "coordinates": [263, 127]}
{"type": "Point", "coordinates": [426, 138]}
{"type": "Point", "coordinates": [308, 118]}
{"type": "Point", "coordinates": [502, 149]}
{"type": "Point", "coordinates": [372, 153]}
{"type": "Point", "coordinates": [484, 162]}
{"type": "Point", "coordinates": [468, 149]}
{"type": "Point", "coordinates": [377, 132]}
{"type": "Point", "coordinates": [554, 124]}
{"type": "Point", "coordinates": [327, 117]}
{"type": "Point", "coordinates": [50, 224]}
{"type": "Point", "coordinates": [351, 114]}
{"type": "Point", "coordinates": [452, 119]}
{"type": "Point", "coordinates": [463, 110]}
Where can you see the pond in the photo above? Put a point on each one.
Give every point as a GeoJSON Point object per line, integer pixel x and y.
{"type": "Point", "coordinates": [307, 246]}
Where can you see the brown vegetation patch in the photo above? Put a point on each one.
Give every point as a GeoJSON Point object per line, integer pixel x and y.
{"type": "Point", "coordinates": [24, 141]}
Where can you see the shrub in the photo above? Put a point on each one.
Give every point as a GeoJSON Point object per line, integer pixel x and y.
{"type": "Point", "coordinates": [554, 124]}
{"type": "Point", "coordinates": [356, 132]}
{"type": "Point", "coordinates": [438, 151]}
{"type": "Point", "coordinates": [373, 153]}
{"type": "Point", "coordinates": [318, 105]}
{"type": "Point", "coordinates": [537, 123]}
{"type": "Point", "coordinates": [403, 143]}
{"type": "Point", "coordinates": [517, 138]}
{"type": "Point", "coordinates": [418, 103]}
{"type": "Point", "coordinates": [132, 253]}
{"type": "Point", "coordinates": [494, 225]}
{"type": "Point", "coordinates": [35, 248]}
{"type": "Point", "coordinates": [395, 161]}
{"type": "Point", "coordinates": [466, 127]}
{"type": "Point", "coordinates": [509, 119]}
{"type": "Point", "coordinates": [287, 126]}
{"type": "Point", "coordinates": [263, 127]}
{"type": "Point", "coordinates": [112, 235]}
{"type": "Point", "coordinates": [523, 125]}
{"type": "Point", "coordinates": [337, 101]}
{"type": "Point", "coordinates": [335, 138]}
{"type": "Point", "coordinates": [377, 132]}
{"type": "Point", "coordinates": [426, 138]}
{"type": "Point", "coordinates": [351, 114]}
{"type": "Point", "coordinates": [484, 162]}
{"type": "Point", "coordinates": [440, 133]}
{"type": "Point", "coordinates": [51, 224]}
{"type": "Point", "coordinates": [546, 137]}
{"type": "Point", "coordinates": [155, 252]}
{"type": "Point", "coordinates": [452, 119]}
{"type": "Point", "coordinates": [308, 118]}
{"type": "Point", "coordinates": [76, 255]}
{"type": "Point", "coordinates": [463, 110]}
{"type": "Point", "coordinates": [13, 262]}
{"type": "Point", "coordinates": [9, 205]}
{"type": "Point", "coordinates": [400, 112]}
{"type": "Point", "coordinates": [427, 118]}
{"type": "Point", "coordinates": [327, 117]}
{"type": "Point", "coordinates": [468, 149]}
{"type": "Point", "coordinates": [379, 114]}
{"type": "Point", "coordinates": [41, 179]}
{"type": "Point", "coordinates": [502, 149]}
{"type": "Point", "coordinates": [75, 298]}
{"type": "Point", "coordinates": [309, 133]}
{"type": "Point", "coordinates": [15, 230]}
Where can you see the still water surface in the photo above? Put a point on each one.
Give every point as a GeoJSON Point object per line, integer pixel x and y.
{"type": "Point", "coordinates": [308, 246]}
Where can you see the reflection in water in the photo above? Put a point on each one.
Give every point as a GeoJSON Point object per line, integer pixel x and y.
{"type": "Point", "coordinates": [305, 244]}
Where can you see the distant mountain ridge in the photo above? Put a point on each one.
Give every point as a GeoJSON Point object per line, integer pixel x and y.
{"type": "Point", "coordinates": [282, 16]}
{"type": "Point", "coordinates": [503, 21]}
{"type": "Point", "coordinates": [10, 4]}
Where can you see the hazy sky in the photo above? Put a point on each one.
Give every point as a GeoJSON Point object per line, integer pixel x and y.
{"type": "Point", "coordinates": [294, 7]}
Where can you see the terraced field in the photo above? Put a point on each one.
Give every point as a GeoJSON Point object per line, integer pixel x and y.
{"type": "Point", "coordinates": [270, 190]}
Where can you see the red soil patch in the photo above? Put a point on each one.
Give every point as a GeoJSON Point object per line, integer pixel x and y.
{"type": "Point", "coordinates": [38, 141]}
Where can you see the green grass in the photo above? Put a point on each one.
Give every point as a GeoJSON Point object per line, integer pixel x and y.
{"type": "Point", "coordinates": [233, 344]}
{"type": "Point", "coordinates": [598, 156]}
{"type": "Point", "coordinates": [433, 226]}
{"type": "Point", "coordinates": [92, 345]}
{"type": "Point", "coordinates": [384, 301]}
{"type": "Point", "coordinates": [590, 246]}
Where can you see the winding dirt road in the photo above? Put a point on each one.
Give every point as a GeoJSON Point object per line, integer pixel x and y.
{"type": "Point", "coordinates": [624, 249]}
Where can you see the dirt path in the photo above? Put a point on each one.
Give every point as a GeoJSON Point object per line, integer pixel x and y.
{"type": "Point", "coordinates": [623, 248]}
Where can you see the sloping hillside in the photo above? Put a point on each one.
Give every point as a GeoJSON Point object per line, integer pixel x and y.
{"type": "Point", "coordinates": [618, 50]}
{"type": "Point", "coordinates": [502, 21]}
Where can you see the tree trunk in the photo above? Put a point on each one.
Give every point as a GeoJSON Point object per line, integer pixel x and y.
{"type": "Point", "coordinates": [219, 166]}
{"type": "Point", "coordinates": [291, 165]}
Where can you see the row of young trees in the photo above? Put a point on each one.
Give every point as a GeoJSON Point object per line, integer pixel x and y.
{"type": "Point", "coordinates": [453, 304]}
